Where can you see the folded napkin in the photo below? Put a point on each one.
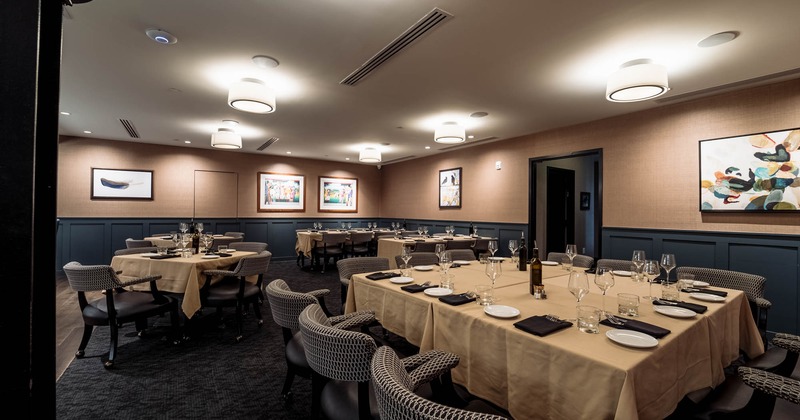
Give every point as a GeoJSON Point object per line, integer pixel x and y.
{"type": "Point", "coordinates": [681, 304]}
{"type": "Point", "coordinates": [419, 240]}
{"type": "Point", "coordinates": [456, 300]}
{"type": "Point", "coordinates": [382, 276]}
{"type": "Point", "coordinates": [455, 265]}
{"type": "Point", "coordinates": [541, 325]}
{"type": "Point", "coordinates": [416, 288]}
{"type": "Point", "coordinates": [166, 237]}
{"type": "Point", "coordinates": [163, 257]}
{"type": "Point", "coordinates": [709, 291]}
{"type": "Point", "coordinates": [642, 327]}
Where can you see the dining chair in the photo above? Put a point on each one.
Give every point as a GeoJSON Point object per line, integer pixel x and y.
{"type": "Point", "coordinates": [752, 285]}
{"type": "Point", "coordinates": [418, 258]}
{"type": "Point", "coordinates": [359, 244]}
{"type": "Point", "coordinates": [428, 246]}
{"type": "Point", "coordinates": [461, 255]}
{"type": "Point", "coordinates": [580, 260]}
{"type": "Point", "coordinates": [394, 390]}
{"type": "Point", "coordinates": [251, 246]}
{"type": "Point", "coordinates": [286, 306]}
{"type": "Point", "coordinates": [349, 266]}
{"type": "Point", "coordinates": [235, 234]}
{"type": "Point", "coordinates": [330, 246]}
{"type": "Point", "coordinates": [116, 305]}
{"type": "Point", "coordinates": [137, 243]}
{"type": "Point", "coordinates": [460, 244]}
{"type": "Point", "coordinates": [235, 290]}
{"type": "Point", "coordinates": [623, 265]}
{"type": "Point", "coordinates": [225, 241]}
{"type": "Point", "coordinates": [340, 360]}
{"type": "Point", "coordinates": [139, 250]}
{"type": "Point", "coordinates": [479, 246]}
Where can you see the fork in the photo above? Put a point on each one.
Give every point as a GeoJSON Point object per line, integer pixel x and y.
{"type": "Point", "coordinates": [666, 302]}
{"type": "Point", "coordinates": [615, 320]}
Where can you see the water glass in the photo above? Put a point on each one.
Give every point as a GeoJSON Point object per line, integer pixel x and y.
{"type": "Point", "coordinates": [222, 248]}
{"type": "Point", "coordinates": [685, 281]}
{"type": "Point", "coordinates": [484, 293]}
{"type": "Point", "coordinates": [589, 319]}
{"type": "Point", "coordinates": [446, 281]}
{"type": "Point", "coordinates": [566, 264]}
{"type": "Point", "coordinates": [669, 291]}
{"type": "Point", "coordinates": [628, 304]}
{"type": "Point", "coordinates": [162, 250]}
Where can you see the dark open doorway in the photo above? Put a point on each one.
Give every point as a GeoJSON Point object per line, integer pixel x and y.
{"type": "Point", "coordinates": [560, 204]}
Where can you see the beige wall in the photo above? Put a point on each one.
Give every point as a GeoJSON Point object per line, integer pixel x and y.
{"type": "Point", "coordinates": [650, 166]}
{"type": "Point", "coordinates": [177, 169]}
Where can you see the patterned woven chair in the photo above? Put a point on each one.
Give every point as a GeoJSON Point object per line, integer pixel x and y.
{"type": "Point", "coordinates": [349, 266]}
{"type": "Point", "coordinates": [235, 234]}
{"type": "Point", "coordinates": [250, 246]}
{"type": "Point", "coordinates": [286, 306]}
{"type": "Point", "coordinates": [461, 255]}
{"type": "Point", "coordinates": [137, 243]}
{"type": "Point", "coordinates": [139, 250]}
{"type": "Point", "coordinates": [234, 290]}
{"type": "Point", "coordinates": [752, 285]}
{"type": "Point", "coordinates": [359, 244]}
{"type": "Point", "coordinates": [330, 246]}
{"type": "Point", "coordinates": [225, 241]}
{"type": "Point", "coordinates": [580, 260]}
{"type": "Point", "coordinates": [118, 306]}
{"type": "Point", "coordinates": [623, 265]}
{"type": "Point", "coordinates": [418, 258]}
{"type": "Point", "coordinates": [340, 359]}
{"type": "Point", "coordinates": [394, 391]}
{"type": "Point", "coordinates": [454, 244]}
{"type": "Point", "coordinates": [429, 246]}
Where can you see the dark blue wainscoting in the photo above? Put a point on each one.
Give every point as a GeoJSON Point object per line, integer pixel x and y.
{"type": "Point", "coordinates": [776, 257]}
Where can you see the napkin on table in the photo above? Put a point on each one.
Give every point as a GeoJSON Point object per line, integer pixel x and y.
{"type": "Point", "coordinates": [163, 257]}
{"type": "Point", "coordinates": [541, 325]}
{"type": "Point", "coordinates": [642, 327]}
{"type": "Point", "coordinates": [416, 288]}
{"type": "Point", "coordinates": [721, 293]}
{"type": "Point", "coordinates": [382, 276]}
{"type": "Point", "coordinates": [681, 304]}
{"type": "Point", "coordinates": [456, 300]}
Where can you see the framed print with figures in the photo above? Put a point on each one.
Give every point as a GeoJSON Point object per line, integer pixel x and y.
{"type": "Point", "coordinates": [281, 192]}
{"type": "Point", "coordinates": [450, 188]}
{"type": "Point", "coordinates": [338, 194]}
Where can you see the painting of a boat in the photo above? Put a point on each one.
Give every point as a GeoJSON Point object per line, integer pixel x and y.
{"type": "Point", "coordinates": [119, 185]}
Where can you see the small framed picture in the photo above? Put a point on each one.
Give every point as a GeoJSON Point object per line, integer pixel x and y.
{"type": "Point", "coordinates": [281, 192]}
{"type": "Point", "coordinates": [338, 194]}
{"type": "Point", "coordinates": [450, 188]}
{"type": "Point", "coordinates": [122, 184]}
{"type": "Point", "coordinates": [586, 198]}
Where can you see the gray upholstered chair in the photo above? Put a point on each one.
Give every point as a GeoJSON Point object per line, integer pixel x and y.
{"type": "Point", "coordinates": [461, 255]}
{"type": "Point", "coordinates": [624, 265]}
{"type": "Point", "coordinates": [286, 306]}
{"type": "Point", "coordinates": [752, 285]}
{"type": "Point", "coordinates": [349, 266]}
{"type": "Point", "coordinates": [117, 306]}
{"type": "Point", "coordinates": [394, 390]}
{"type": "Point", "coordinates": [235, 290]}
{"type": "Point", "coordinates": [429, 246]}
{"type": "Point", "coordinates": [235, 234]}
{"type": "Point", "coordinates": [250, 246]}
{"type": "Point", "coordinates": [580, 260]}
{"type": "Point", "coordinates": [359, 244]}
{"type": "Point", "coordinates": [459, 244]}
{"type": "Point", "coordinates": [225, 241]}
{"type": "Point", "coordinates": [330, 246]}
{"type": "Point", "coordinates": [418, 258]}
{"type": "Point", "coordinates": [139, 250]}
{"type": "Point", "coordinates": [479, 246]}
{"type": "Point", "coordinates": [340, 359]}
{"type": "Point", "coordinates": [137, 243]}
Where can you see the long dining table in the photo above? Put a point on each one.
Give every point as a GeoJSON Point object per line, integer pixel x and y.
{"type": "Point", "coordinates": [567, 374]}
{"type": "Point", "coordinates": [178, 274]}
{"type": "Point", "coordinates": [389, 246]}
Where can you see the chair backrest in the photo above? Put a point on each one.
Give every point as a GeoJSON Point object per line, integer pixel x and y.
{"type": "Point", "coordinates": [357, 238]}
{"type": "Point", "coordinates": [349, 266]}
{"type": "Point", "coordinates": [251, 246]}
{"type": "Point", "coordinates": [397, 401]}
{"type": "Point", "coordinates": [624, 265]}
{"type": "Point", "coordinates": [253, 264]}
{"type": "Point", "coordinates": [461, 244]}
{"type": "Point", "coordinates": [235, 234]}
{"type": "Point", "coordinates": [580, 260]}
{"type": "Point", "coordinates": [333, 238]}
{"type": "Point", "coordinates": [137, 243]}
{"type": "Point", "coordinates": [88, 278]}
{"type": "Point", "coordinates": [286, 305]}
{"type": "Point", "coordinates": [224, 241]}
{"type": "Point", "coordinates": [418, 258]}
{"type": "Point", "coordinates": [139, 250]}
{"type": "Point", "coordinates": [752, 285]}
{"type": "Point", "coordinates": [334, 353]}
{"type": "Point", "coordinates": [461, 254]}
{"type": "Point", "coordinates": [429, 246]}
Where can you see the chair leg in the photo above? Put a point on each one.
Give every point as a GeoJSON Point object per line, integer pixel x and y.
{"type": "Point", "coordinates": [317, 383]}
{"type": "Point", "coordinates": [112, 349]}
{"type": "Point", "coordinates": [238, 320]}
{"type": "Point", "coordinates": [286, 392]}
{"type": "Point", "coordinates": [87, 334]}
{"type": "Point", "coordinates": [363, 401]}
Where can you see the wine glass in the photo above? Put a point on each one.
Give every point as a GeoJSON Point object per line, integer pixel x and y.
{"type": "Point", "coordinates": [578, 285]}
{"type": "Point", "coordinates": [513, 246]}
{"type": "Point", "coordinates": [405, 255]}
{"type": "Point", "coordinates": [667, 263]}
{"type": "Point", "coordinates": [604, 279]}
{"type": "Point", "coordinates": [651, 270]}
{"type": "Point", "coordinates": [184, 227]}
{"type": "Point", "coordinates": [439, 250]}
{"type": "Point", "coordinates": [199, 228]}
{"type": "Point", "coordinates": [425, 230]}
{"type": "Point", "coordinates": [445, 261]}
{"type": "Point", "coordinates": [571, 252]}
{"type": "Point", "coordinates": [638, 259]}
{"type": "Point", "coordinates": [492, 247]}
{"type": "Point", "coordinates": [176, 239]}
{"type": "Point", "coordinates": [207, 239]}
{"type": "Point", "coordinates": [419, 230]}
{"type": "Point", "coordinates": [185, 239]}
{"type": "Point", "coordinates": [349, 225]}
{"type": "Point", "coordinates": [493, 270]}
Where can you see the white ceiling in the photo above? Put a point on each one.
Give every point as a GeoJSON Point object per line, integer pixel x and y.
{"type": "Point", "coordinates": [532, 65]}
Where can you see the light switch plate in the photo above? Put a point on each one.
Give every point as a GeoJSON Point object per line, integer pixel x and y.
{"type": "Point", "coordinates": [498, 165]}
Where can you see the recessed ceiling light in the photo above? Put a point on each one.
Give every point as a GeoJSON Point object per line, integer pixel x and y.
{"type": "Point", "coordinates": [470, 137]}
{"type": "Point", "coordinates": [265, 61]}
{"type": "Point", "coordinates": [187, 142]}
{"type": "Point", "coordinates": [718, 39]}
{"type": "Point", "coordinates": [346, 158]}
{"type": "Point", "coordinates": [427, 147]}
{"type": "Point", "coordinates": [288, 153]}
{"type": "Point", "coordinates": [161, 36]}
{"type": "Point", "coordinates": [479, 114]}
{"type": "Point", "coordinates": [64, 113]}
{"type": "Point", "coordinates": [87, 131]}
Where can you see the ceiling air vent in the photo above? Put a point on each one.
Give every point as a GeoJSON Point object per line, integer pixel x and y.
{"type": "Point", "coordinates": [428, 22]}
{"type": "Point", "coordinates": [268, 143]}
{"type": "Point", "coordinates": [129, 128]}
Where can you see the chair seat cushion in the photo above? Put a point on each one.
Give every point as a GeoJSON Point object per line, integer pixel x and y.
{"type": "Point", "coordinates": [227, 291]}
{"type": "Point", "coordinates": [339, 400]}
{"type": "Point", "coordinates": [296, 353]}
{"type": "Point", "coordinates": [129, 305]}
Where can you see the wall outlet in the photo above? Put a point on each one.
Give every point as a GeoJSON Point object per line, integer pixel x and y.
{"type": "Point", "coordinates": [498, 165]}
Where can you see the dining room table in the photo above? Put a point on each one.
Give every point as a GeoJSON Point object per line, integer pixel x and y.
{"type": "Point", "coordinates": [305, 238]}
{"type": "Point", "coordinates": [167, 242]}
{"type": "Point", "coordinates": [390, 246]}
{"type": "Point", "coordinates": [179, 274]}
{"type": "Point", "coordinates": [566, 373]}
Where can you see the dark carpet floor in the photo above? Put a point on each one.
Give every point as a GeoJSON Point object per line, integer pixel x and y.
{"type": "Point", "coordinates": [209, 376]}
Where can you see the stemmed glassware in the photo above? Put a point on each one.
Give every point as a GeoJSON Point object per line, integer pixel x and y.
{"type": "Point", "coordinates": [604, 279]}
{"type": "Point", "coordinates": [445, 261]}
{"type": "Point", "coordinates": [207, 239]}
{"type": "Point", "coordinates": [638, 259]}
{"type": "Point", "coordinates": [571, 252]}
{"type": "Point", "coordinates": [667, 263]}
{"type": "Point", "coordinates": [176, 239]}
{"type": "Point", "coordinates": [513, 246]}
{"type": "Point", "coordinates": [493, 270]}
{"type": "Point", "coordinates": [349, 225]}
{"type": "Point", "coordinates": [183, 227]}
{"type": "Point", "coordinates": [419, 230]}
{"type": "Point", "coordinates": [425, 230]}
{"type": "Point", "coordinates": [492, 246]}
{"type": "Point", "coordinates": [199, 228]}
{"type": "Point", "coordinates": [405, 255]}
{"type": "Point", "coordinates": [185, 241]}
{"type": "Point", "coordinates": [651, 270]}
{"type": "Point", "coordinates": [439, 250]}
{"type": "Point", "coordinates": [578, 285]}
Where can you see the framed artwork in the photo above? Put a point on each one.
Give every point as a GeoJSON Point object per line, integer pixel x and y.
{"type": "Point", "coordinates": [751, 173]}
{"type": "Point", "coordinates": [585, 200]}
{"type": "Point", "coordinates": [338, 194]}
{"type": "Point", "coordinates": [122, 184]}
{"type": "Point", "coordinates": [450, 188]}
{"type": "Point", "coordinates": [281, 192]}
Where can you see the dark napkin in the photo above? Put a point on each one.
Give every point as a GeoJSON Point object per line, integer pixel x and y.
{"type": "Point", "coordinates": [164, 257]}
{"type": "Point", "coordinates": [419, 240]}
{"type": "Point", "coordinates": [634, 325]}
{"type": "Point", "coordinates": [382, 276]}
{"type": "Point", "coordinates": [456, 300]}
{"type": "Point", "coordinates": [416, 288]}
{"type": "Point", "coordinates": [541, 325]}
{"type": "Point", "coordinates": [681, 304]}
{"type": "Point", "coordinates": [166, 237]}
{"type": "Point", "coordinates": [455, 265]}
{"type": "Point", "coordinates": [709, 291]}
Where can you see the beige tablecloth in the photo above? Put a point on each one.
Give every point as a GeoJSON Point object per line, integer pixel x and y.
{"type": "Point", "coordinates": [389, 247]}
{"type": "Point", "coordinates": [178, 275]}
{"type": "Point", "coordinates": [567, 374]}
{"type": "Point", "coordinates": [165, 242]}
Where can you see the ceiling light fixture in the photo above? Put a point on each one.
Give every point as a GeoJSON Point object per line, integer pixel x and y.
{"type": "Point", "coordinates": [718, 39]}
{"type": "Point", "coordinates": [226, 138]}
{"type": "Point", "coordinates": [369, 155]}
{"type": "Point", "coordinates": [449, 132]}
{"type": "Point", "coordinates": [252, 95]}
{"type": "Point", "coordinates": [637, 80]}
{"type": "Point", "coordinates": [161, 36]}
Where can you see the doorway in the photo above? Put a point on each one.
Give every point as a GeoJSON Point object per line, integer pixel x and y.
{"type": "Point", "coordinates": [560, 213]}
